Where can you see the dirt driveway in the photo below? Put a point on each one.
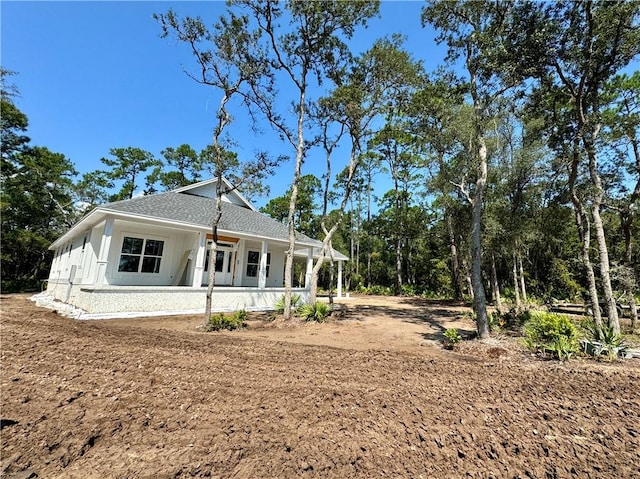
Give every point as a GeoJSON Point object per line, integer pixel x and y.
{"type": "Point", "coordinates": [369, 395]}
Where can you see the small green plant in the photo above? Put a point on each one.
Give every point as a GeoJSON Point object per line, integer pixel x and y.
{"type": "Point", "coordinates": [230, 322]}
{"type": "Point", "coordinates": [315, 312]}
{"type": "Point", "coordinates": [451, 338]}
{"type": "Point", "coordinates": [551, 333]}
{"type": "Point", "coordinates": [296, 302]}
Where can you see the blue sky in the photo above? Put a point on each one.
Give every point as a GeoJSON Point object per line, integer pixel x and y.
{"type": "Point", "coordinates": [96, 75]}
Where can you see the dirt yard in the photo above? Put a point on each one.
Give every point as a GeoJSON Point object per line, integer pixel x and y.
{"type": "Point", "coordinates": [370, 394]}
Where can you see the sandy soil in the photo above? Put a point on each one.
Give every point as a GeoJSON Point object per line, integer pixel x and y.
{"type": "Point", "coordinates": [370, 394]}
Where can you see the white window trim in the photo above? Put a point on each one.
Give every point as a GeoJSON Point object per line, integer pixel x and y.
{"type": "Point", "coordinates": [144, 237]}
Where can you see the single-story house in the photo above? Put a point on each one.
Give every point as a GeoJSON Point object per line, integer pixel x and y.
{"type": "Point", "coordinates": [150, 254]}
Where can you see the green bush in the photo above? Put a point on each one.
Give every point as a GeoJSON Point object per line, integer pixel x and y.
{"type": "Point", "coordinates": [314, 312]}
{"type": "Point", "coordinates": [377, 290]}
{"type": "Point", "coordinates": [409, 290]}
{"type": "Point", "coordinates": [551, 333]}
{"type": "Point", "coordinates": [451, 338]}
{"type": "Point", "coordinates": [426, 294]}
{"type": "Point", "coordinates": [230, 322]}
{"type": "Point", "coordinates": [240, 316]}
{"type": "Point", "coordinates": [296, 302]}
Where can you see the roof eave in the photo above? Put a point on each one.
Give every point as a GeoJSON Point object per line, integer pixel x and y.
{"type": "Point", "coordinates": [99, 213]}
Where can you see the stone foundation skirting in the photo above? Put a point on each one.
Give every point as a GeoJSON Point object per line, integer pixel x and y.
{"type": "Point", "coordinates": [129, 300]}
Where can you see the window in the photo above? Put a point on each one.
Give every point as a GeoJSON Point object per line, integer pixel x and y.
{"type": "Point", "coordinates": [140, 255]}
{"type": "Point", "coordinates": [253, 262]}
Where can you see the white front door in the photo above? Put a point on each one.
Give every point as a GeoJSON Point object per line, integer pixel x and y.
{"type": "Point", "coordinates": [223, 265]}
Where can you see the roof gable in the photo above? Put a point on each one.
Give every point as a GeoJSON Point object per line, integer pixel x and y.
{"type": "Point", "coordinates": [207, 189]}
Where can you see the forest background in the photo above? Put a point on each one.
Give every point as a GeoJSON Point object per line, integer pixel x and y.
{"type": "Point", "coordinates": [511, 167]}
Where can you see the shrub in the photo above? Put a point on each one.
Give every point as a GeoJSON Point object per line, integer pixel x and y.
{"type": "Point", "coordinates": [451, 338]}
{"type": "Point", "coordinates": [551, 333]}
{"type": "Point", "coordinates": [602, 343]}
{"type": "Point", "coordinates": [296, 302]}
{"type": "Point", "coordinates": [409, 290]}
{"type": "Point", "coordinates": [427, 294]}
{"type": "Point", "coordinates": [314, 312]}
{"type": "Point", "coordinates": [220, 321]}
{"type": "Point", "coordinates": [240, 316]}
{"type": "Point", "coordinates": [377, 290]}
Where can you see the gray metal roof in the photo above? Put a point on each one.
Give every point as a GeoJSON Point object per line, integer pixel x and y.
{"type": "Point", "coordinates": [199, 211]}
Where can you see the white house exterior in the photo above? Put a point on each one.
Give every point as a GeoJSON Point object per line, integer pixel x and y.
{"type": "Point", "coordinates": [149, 254]}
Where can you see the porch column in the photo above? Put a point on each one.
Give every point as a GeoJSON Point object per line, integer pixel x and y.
{"type": "Point", "coordinates": [196, 280]}
{"type": "Point", "coordinates": [307, 277]}
{"type": "Point", "coordinates": [339, 279]}
{"type": "Point", "coordinates": [103, 254]}
{"type": "Point", "coordinates": [262, 271]}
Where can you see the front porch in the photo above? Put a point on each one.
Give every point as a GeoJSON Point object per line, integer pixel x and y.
{"type": "Point", "coordinates": [121, 268]}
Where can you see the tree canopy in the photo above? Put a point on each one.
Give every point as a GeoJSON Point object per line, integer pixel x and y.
{"type": "Point", "coordinates": [511, 171]}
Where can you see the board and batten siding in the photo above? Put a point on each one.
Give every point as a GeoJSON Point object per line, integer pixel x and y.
{"type": "Point", "coordinates": [175, 244]}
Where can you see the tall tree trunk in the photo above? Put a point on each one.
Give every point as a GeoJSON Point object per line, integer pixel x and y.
{"type": "Point", "coordinates": [479, 298]}
{"type": "Point", "coordinates": [516, 286]}
{"type": "Point", "coordinates": [288, 266]}
{"type": "Point", "coordinates": [352, 243]}
{"type": "Point", "coordinates": [455, 266]}
{"type": "Point", "coordinates": [331, 280]}
{"type": "Point", "coordinates": [584, 232]}
{"type": "Point", "coordinates": [369, 243]}
{"type": "Point", "coordinates": [398, 225]}
{"type": "Point", "coordinates": [212, 255]}
{"type": "Point", "coordinates": [467, 278]}
{"type": "Point", "coordinates": [522, 284]}
{"type": "Point", "coordinates": [584, 229]}
{"type": "Point", "coordinates": [358, 234]}
{"type": "Point", "coordinates": [598, 227]}
{"type": "Point", "coordinates": [494, 284]}
{"type": "Point", "coordinates": [399, 263]}
{"type": "Point", "coordinates": [630, 285]}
